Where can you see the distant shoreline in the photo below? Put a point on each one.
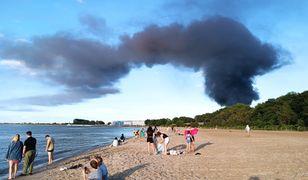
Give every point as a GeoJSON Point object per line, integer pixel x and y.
{"type": "Point", "coordinates": [66, 124]}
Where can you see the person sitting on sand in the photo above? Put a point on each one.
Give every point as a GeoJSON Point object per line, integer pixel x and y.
{"type": "Point", "coordinates": [102, 167]}
{"type": "Point", "coordinates": [165, 141]}
{"type": "Point", "coordinates": [188, 139]}
{"type": "Point", "coordinates": [94, 175]}
{"type": "Point", "coordinates": [14, 155]}
{"type": "Point", "coordinates": [115, 142]}
{"type": "Point", "coordinates": [150, 140]}
{"type": "Point", "coordinates": [122, 138]}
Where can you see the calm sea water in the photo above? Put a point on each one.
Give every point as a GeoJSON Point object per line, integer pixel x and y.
{"type": "Point", "coordinates": [69, 140]}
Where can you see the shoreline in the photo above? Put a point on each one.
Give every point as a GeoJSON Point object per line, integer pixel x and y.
{"type": "Point", "coordinates": [224, 154]}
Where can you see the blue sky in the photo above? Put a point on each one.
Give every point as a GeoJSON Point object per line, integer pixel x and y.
{"type": "Point", "coordinates": [144, 92]}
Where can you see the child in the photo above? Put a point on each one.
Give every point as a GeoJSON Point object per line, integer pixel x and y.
{"type": "Point", "coordinates": [188, 139]}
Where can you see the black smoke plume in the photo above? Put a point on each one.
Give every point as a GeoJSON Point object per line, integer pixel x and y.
{"type": "Point", "coordinates": [225, 50]}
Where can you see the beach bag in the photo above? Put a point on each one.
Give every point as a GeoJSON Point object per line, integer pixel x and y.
{"type": "Point", "coordinates": [160, 148]}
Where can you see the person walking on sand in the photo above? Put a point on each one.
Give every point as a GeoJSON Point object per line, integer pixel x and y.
{"type": "Point", "coordinates": [150, 140]}
{"type": "Point", "coordinates": [165, 141]}
{"type": "Point", "coordinates": [247, 130]}
{"type": "Point", "coordinates": [14, 155]}
{"type": "Point", "coordinates": [29, 152]}
{"type": "Point", "coordinates": [50, 147]}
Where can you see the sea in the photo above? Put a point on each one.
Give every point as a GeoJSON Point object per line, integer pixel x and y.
{"type": "Point", "coordinates": [69, 140]}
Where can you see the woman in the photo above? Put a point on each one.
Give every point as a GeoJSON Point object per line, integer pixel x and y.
{"type": "Point", "coordinates": [165, 141]}
{"type": "Point", "coordinates": [94, 175]}
{"type": "Point", "coordinates": [150, 141]}
{"type": "Point", "coordinates": [14, 155]}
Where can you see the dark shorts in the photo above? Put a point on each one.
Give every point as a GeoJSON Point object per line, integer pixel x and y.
{"type": "Point", "coordinates": [50, 150]}
{"type": "Point", "coordinates": [150, 140]}
{"type": "Point", "coordinates": [192, 138]}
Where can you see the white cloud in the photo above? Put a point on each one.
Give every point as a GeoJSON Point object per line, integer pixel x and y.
{"type": "Point", "coordinates": [17, 65]}
{"type": "Point", "coordinates": [22, 40]}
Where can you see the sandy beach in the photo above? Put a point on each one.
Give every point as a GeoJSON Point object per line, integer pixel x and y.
{"type": "Point", "coordinates": [225, 154]}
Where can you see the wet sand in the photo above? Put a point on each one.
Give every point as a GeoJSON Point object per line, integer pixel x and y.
{"type": "Point", "coordinates": [225, 154]}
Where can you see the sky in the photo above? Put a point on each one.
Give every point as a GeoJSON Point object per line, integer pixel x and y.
{"type": "Point", "coordinates": [137, 60]}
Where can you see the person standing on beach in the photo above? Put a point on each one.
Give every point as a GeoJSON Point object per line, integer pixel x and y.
{"type": "Point", "coordinates": [247, 130]}
{"type": "Point", "coordinates": [14, 155]}
{"type": "Point", "coordinates": [50, 147]}
{"type": "Point", "coordinates": [188, 139]}
{"type": "Point", "coordinates": [192, 138]}
{"type": "Point", "coordinates": [29, 152]}
{"type": "Point", "coordinates": [150, 140]}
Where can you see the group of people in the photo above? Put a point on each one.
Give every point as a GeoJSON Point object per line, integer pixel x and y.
{"type": "Point", "coordinates": [27, 150]}
{"type": "Point", "coordinates": [153, 144]}
{"type": "Point", "coordinates": [117, 141]}
{"type": "Point", "coordinates": [100, 170]}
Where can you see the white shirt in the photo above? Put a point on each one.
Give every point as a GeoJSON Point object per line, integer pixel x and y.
{"type": "Point", "coordinates": [115, 143]}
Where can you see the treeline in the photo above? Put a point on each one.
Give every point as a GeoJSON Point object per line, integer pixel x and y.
{"type": "Point", "coordinates": [88, 122]}
{"type": "Point", "coordinates": [285, 112]}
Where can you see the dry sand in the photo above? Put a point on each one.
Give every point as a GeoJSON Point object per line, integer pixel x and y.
{"type": "Point", "coordinates": [225, 154]}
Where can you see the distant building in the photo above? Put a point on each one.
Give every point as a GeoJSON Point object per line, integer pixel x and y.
{"type": "Point", "coordinates": [117, 123]}
{"type": "Point", "coordinates": [133, 123]}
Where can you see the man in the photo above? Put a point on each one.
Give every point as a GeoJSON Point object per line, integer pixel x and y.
{"type": "Point", "coordinates": [29, 152]}
{"type": "Point", "coordinates": [50, 147]}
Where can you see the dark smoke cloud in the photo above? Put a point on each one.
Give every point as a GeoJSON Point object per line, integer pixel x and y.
{"type": "Point", "coordinates": [94, 25]}
{"type": "Point", "coordinates": [228, 54]}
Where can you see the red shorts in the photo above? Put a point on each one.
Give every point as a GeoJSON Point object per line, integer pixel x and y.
{"type": "Point", "coordinates": [15, 161]}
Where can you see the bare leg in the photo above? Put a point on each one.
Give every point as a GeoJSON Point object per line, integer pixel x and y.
{"type": "Point", "coordinates": [193, 146]}
{"type": "Point", "coordinates": [149, 151]}
{"type": "Point", "coordinates": [154, 149]}
{"type": "Point", "coordinates": [15, 170]}
{"type": "Point", "coordinates": [166, 146]}
{"type": "Point", "coordinates": [188, 147]}
{"type": "Point", "coordinates": [10, 168]}
{"type": "Point", "coordinates": [50, 158]}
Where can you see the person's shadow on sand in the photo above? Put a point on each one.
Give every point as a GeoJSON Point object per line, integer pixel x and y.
{"type": "Point", "coordinates": [127, 172]}
{"type": "Point", "coordinates": [179, 147]}
{"type": "Point", "coordinates": [203, 145]}
{"type": "Point", "coordinates": [254, 178]}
